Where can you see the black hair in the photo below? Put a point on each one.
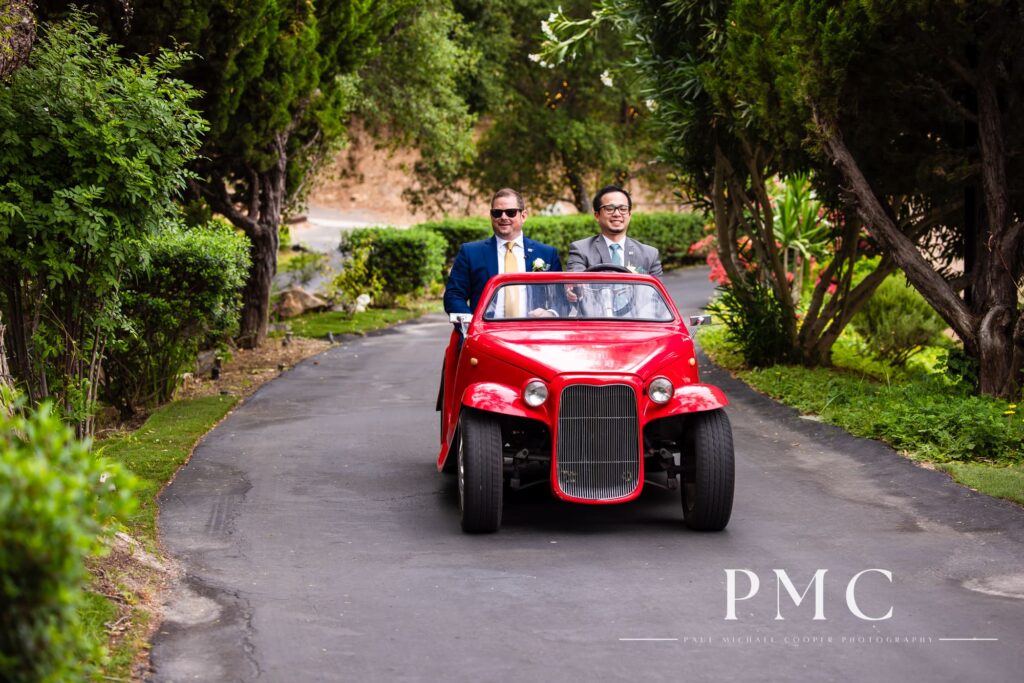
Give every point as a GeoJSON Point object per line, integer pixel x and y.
{"type": "Point", "coordinates": [611, 188]}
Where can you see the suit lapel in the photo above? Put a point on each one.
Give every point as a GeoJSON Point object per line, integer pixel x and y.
{"type": "Point", "coordinates": [531, 253]}
{"type": "Point", "coordinates": [601, 247]}
{"type": "Point", "coordinates": [629, 258]}
{"type": "Point", "coordinates": [492, 256]}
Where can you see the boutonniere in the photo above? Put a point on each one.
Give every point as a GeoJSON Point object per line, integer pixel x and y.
{"type": "Point", "coordinates": [539, 264]}
{"type": "Point", "coordinates": [636, 269]}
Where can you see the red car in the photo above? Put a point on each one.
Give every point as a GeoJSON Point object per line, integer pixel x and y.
{"type": "Point", "coordinates": [593, 388]}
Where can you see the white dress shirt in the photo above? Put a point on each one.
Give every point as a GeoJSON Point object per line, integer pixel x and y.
{"type": "Point", "coordinates": [622, 247]}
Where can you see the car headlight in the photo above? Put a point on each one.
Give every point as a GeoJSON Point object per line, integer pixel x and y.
{"type": "Point", "coordinates": [535, 393]}
{"type": "Point", "coordinates": [660, 390]}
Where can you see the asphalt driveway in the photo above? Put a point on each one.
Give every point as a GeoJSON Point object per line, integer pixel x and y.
{"type": "Point", "coordinates": [320, 544]}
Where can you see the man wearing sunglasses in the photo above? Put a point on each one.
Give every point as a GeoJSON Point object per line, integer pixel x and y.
{"type": "Point", "coordinates": [612, 209]}
{"type": "Point", "coordinates": [506, 251]}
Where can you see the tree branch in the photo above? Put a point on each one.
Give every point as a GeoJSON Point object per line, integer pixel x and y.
{"type": "Point", "coordinates": [920, 273]}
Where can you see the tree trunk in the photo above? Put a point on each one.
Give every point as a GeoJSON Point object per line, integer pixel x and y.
{"type": "Point", "coordinates": [994, 337]}
{"type": "Point", "coordinates": [259, 217]}
{"type": "Point", "coordinates": [578, 186]}
{"type": "Point", "coordinates": [17, 33]}
{"type": "Point", "coordinates": [256, 293]}
{"type": "Point", "coordinates": [5, 373]}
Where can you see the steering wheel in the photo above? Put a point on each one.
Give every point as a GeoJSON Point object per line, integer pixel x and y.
{"type": "Point", "coordinates": [607, 268]}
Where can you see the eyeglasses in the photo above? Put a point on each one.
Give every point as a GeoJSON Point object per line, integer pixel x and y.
{"type": "Point", "coordinates": [511, 213]}
{"type": "Point", "coordinates": [614, 208]}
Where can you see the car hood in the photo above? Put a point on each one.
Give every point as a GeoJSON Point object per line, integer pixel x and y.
{"type": "Point", "coordinates": [594, 350]}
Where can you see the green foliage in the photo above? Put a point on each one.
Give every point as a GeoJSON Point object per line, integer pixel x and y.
{"type": "Point", "coordinates": [280, 82]}
{"type": "Point", "coordinates": [753, 323]}
{"type": "Point", "coordinates": [355, 278]}
{"type": "Point", "coordinates": [188, 294]}
{"type": "Point", "coordinates": [301, 268]}
{"type": "Point", "coordinates": [93, 150]}
{"type": "Point", "coordinates": [317, 325]}
{"type": "Point", "coordinates": [897, 322]}
{"type": "Point", "coordinates": [1001, 482]}
{"type": "Point", "coordinates": [558, 131]}
{"type": "Point", "coordinates": [458, 231]}
{"type": "Point", "coordinates": [155, 451]}
{"type": "Point", "coordinates": [922, 415]}
{"type": "Point", "coordinates": [960, 369]}
{"type": "Point", "coordinates": [56, 500]}
{"type": "Point", "coordinates": [404, 262]}
{"type": "Point", "coordinates": [413, 90]}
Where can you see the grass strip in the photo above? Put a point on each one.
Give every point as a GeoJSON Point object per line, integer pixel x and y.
{"type": "Point", "coordinates": [318, 325]}
{"type": "Point", "coordinates": [154, 452]}
{"type": "Point", "coordinates": [999, 482]}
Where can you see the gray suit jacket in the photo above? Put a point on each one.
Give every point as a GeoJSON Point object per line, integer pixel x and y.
{"type": "Point", "coordinates": [593, 250]}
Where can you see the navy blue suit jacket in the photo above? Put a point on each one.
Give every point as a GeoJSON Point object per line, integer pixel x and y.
{"type": "Point", "coordinates": [477, 262]}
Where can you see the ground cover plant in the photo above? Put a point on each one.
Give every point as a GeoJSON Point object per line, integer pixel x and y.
{"type": "Point", "coordinates": [920, 412]}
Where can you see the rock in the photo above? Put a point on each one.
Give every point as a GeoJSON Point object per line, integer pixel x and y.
{"type": "Point", "coordinates": [296, 301]}
{"type": "Point", "coordinates": [362, 301]}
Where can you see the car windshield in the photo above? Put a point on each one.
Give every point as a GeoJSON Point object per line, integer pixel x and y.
{"type": "Point", "coordinates": [604, 300]}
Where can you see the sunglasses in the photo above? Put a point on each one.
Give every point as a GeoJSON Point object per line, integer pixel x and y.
{"type": "Point", "coordinates": [511, 213]}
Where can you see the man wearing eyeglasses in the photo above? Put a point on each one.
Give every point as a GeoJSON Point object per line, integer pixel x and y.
{"type": "Point", "coordinates": [507, 251]}
{"type": "Point", "coordinates": [612, 209]}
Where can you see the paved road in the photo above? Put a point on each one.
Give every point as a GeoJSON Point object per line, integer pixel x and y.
{"type": "Point", "coordinates": [321, 545]}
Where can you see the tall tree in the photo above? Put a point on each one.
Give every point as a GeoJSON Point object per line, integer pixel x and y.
{"type": "Point", "coordinates": [555, 131]}
{"type": "Point", "coordinates": [917, 104]}
{"type": "Point", "coordinates": [725, 161]}
{"type": "Point", "coordinates": [280, 81]}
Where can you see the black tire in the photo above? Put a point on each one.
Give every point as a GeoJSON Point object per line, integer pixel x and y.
{"type": "Point", "coordinates": [481, 466]}
{"type": "Point", "coordinates": [708, 471]}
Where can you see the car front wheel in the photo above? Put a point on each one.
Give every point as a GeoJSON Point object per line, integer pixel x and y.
{"type": "Point", "coordinates": [708, 472]}
{"type": "Point", "coordinates": [480, 472]}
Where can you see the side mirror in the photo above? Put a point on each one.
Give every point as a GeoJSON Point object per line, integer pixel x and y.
{"type": "Point", "coordinates": [696, 320]}
{"type": "Point", "coordinates": [462, 320]}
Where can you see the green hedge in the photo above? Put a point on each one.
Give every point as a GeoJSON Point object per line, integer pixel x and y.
{"type": "Point", "coordinates": [671, 233]}
{"type": "Point", "coordinates": [55, 498]}
{"type": "Point", "coordinates": [401, 262]}
{"type": "Point", "coordinates": [189, 293]}
{"type": "Point", "coordinates": [404, 262]}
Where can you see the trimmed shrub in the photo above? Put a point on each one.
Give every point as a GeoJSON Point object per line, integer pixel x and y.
{"type": "Point", "coordinates": [896, 322]}
{"type": "Point", "coordinates": [54, 500]}
{"type": "Point", "coordinates": [398, 262]}
{"type": "Point", "coordinates": [189, 295]}
{"type": "Point", "coordinates": [457, 231]}
{"type": "Point", "coordinates": [405, 262]}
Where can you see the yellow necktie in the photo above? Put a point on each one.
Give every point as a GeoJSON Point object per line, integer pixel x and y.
{"type": "Point", "coordinates": [512, 309]}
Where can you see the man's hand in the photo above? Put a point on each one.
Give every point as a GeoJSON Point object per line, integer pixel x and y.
{"type": "Point", "coordinates": [570, 294]}
{"type": "Point", "coordinates": [542, 313]}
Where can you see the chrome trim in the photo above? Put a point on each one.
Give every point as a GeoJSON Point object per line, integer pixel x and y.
{"type": "Point", "coordinates": [598, 451]}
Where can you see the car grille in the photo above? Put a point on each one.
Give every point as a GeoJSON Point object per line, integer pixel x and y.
{"type": "Point", "coordinates": [598, 452]}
